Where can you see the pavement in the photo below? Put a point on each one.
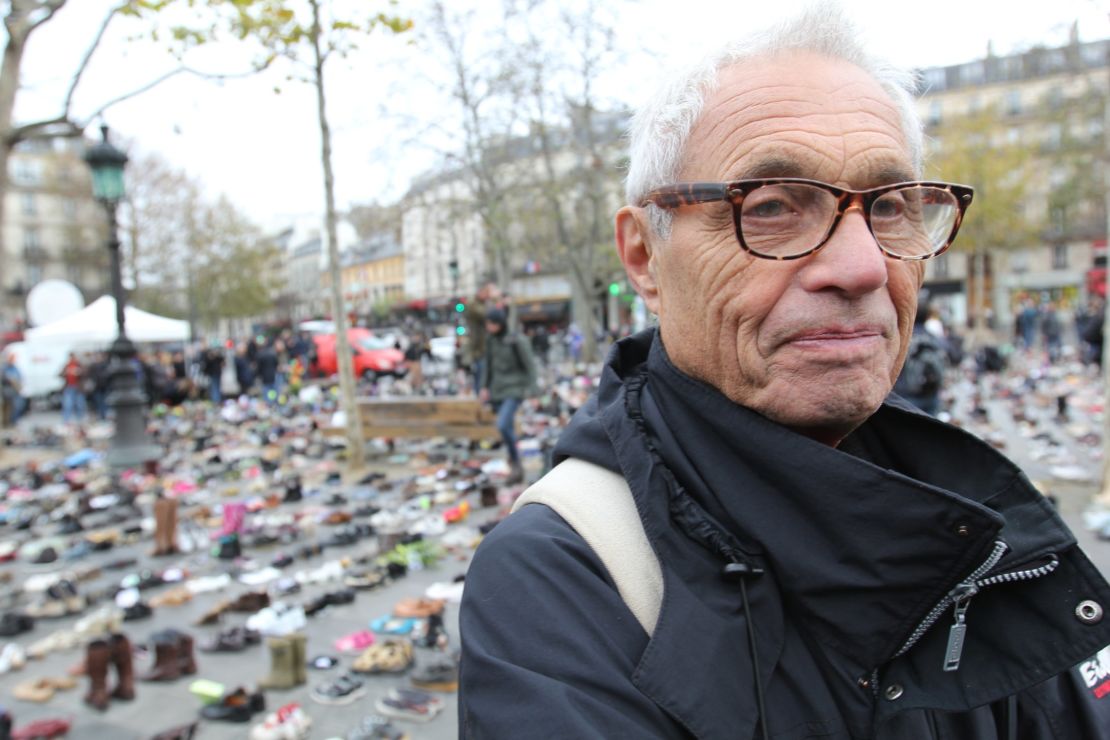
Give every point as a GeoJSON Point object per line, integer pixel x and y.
{"type": "Point", "coordinates": [1022, 420]}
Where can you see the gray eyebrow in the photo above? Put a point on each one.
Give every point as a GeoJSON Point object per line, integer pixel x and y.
{"type": "Point", "coordinates": [778, 166]}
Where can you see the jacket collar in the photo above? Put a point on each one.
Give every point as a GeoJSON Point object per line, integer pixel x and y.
{"type": "Point", "coordinates": [861, 541]}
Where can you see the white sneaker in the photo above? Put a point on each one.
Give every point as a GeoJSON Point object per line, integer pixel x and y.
{"type": "Point", "coordinates": [12, 658]}
{"type": "Point", "coordinates": [278, 619]}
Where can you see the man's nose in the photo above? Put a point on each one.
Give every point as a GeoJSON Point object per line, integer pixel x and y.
{"type": "Point", "coordinates": [850, 261]}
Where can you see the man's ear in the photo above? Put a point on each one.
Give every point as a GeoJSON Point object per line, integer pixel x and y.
{"type": "Point", "coordinates": [636, 253]}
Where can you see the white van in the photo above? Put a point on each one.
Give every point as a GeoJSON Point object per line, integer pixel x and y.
{"type": "Point", "coordinates": [40, 364]}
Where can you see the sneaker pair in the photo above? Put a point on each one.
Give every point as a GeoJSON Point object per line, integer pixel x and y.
{"type": "Point", "coordinates": [411, 704]}
{"type": "Point", "coordinates": [342, 690]}
{"type": "Point", "coordinates": [288, 723]}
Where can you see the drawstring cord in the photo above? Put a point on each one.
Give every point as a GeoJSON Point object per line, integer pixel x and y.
{"type": "Point", "coordinates": [703, 529]}
{"type": "Point", "coordinates": [740, 572]}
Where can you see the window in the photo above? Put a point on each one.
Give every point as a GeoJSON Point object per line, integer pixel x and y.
{"type": "Point", "coordinates": [972, 73]}
{"type": "Point", "coordinates": [1059, 256]}
{"type": "Point", "coordinates": [34, 275]}
{"type": "Point", "coordinates": [940, 266]}
{"type": "Point", "coordinates": [31, 239]}
{"type": "Point", "coordinates": [1053, 135]}
{"type": "Point", "coordinates": [934, 78]}
{"type": "Point", "coordinates": [1013, 102]}
{"type": "Point", "coordinates": [24, 171]}
{"type": "Point", "coordinates": [1058, 218]}
{"type": "Point", "coordinates": [936, 113]}
{"type": "Point", "coordinates": [1094, 55]}
{"type": "Point", "coordinates": [29, 205]}
{"type": "Point", "coordinates": [73, 273]}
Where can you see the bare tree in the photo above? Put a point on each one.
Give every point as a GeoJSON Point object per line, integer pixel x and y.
{"type": "Point", "coordinates": [22, 19]}
{"type": "Point", "coordinates": [537, 149]}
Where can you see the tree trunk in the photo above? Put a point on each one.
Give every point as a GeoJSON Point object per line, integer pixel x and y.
{"type": "Point", "coordinates": [344, 359]}
{"type": "Point", "coordinates": [9, 85]}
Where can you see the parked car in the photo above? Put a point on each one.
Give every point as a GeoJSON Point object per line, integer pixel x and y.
{"type": "Point", "coordinates": [373, 357]}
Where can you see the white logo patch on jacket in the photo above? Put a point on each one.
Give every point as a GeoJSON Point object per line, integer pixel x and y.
{"type": "Point", "coordinates": [1096, 673]}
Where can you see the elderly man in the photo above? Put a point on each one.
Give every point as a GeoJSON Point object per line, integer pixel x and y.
{"type": "Point", "coordinates": [747, 536]}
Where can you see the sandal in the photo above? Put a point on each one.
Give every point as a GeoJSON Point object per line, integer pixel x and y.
{"type": "Point", "coordinates": [418, 608]}
{"type": "Point", "coordinates": [390, 656]}
{"type": "Point", "coordinates": [390, 626]}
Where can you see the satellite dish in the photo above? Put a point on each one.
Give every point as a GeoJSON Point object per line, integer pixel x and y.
{"type": "Point", "coordinates": [51, 300]}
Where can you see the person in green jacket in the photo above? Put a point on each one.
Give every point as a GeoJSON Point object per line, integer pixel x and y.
{"type": "Point", "coordinates": [508, 377]}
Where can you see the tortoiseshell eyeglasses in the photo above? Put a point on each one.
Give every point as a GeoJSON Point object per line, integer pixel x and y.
{"type": "Point", "coordinates": [787, 218]}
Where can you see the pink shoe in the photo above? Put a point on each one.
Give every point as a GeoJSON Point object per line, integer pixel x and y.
{"type": "Point", "coordinates": [355, 642]}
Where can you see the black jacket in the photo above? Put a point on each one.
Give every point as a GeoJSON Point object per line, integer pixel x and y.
{"type": "Point", "coordinates": [857, 545]}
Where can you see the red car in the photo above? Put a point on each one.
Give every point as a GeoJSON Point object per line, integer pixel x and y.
{"type": "Point", "coordinates": [374, 357]}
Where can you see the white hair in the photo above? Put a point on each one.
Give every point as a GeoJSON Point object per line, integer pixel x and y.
{"type": "Point", "coordinates": [661, 128]}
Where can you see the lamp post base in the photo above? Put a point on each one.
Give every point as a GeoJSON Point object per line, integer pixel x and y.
{"type": "Point", "coordinates": [130, 445]}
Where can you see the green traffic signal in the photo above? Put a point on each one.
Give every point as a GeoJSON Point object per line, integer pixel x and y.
{"type": "Point", "coordinates": [460, 307]}
{"type": "Point", "coordinates": [460, 330]}
{"type": "Point", "coordinates": [614, 288]}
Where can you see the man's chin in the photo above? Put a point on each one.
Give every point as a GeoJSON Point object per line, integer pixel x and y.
{"type": "Point", "coordinates": [825, 413]}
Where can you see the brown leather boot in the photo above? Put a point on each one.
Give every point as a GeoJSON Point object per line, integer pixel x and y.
{"type": "Point", "coordinates": [165, 526]}
{"type": "Point", "coordinates": [125, 670]}
{"type": "Point", "coordinates": [167, 663]}
{"type": "Point", "coordinates": [185, 657]}
{"type": "Point", "coordinates": [97, 657]}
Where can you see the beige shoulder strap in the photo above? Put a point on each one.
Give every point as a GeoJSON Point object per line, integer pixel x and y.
{"type": "Point", "coordinates": [598, 504]}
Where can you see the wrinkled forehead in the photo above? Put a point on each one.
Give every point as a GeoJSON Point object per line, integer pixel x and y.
{"type": "Point", "coordinates": [799, 114]}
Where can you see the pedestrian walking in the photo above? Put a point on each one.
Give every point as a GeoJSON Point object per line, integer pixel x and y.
{"type": "Point", "coordinates": [98, 374]}
{"type": "Point", "coordinates": [73, 390]}
{"type": "Point", "coordinates": [414, 358]}
{"type": "Point", "coordinates": [1052, 329]}
{"type": "Point", "coordinates": [244, 369]}
{"type": "Point", "coordinates": [268, 373]}
{"type": "Point", "coordinates": [11, 382]}
{"type": "Point", "coordinates": [745, 534]}
{"type": "Point", "coordinates": [212, 366]}
{"type": "Point", "coordinates": [922, 376]}
{"type": "Point", "coordinates": [508, 377]}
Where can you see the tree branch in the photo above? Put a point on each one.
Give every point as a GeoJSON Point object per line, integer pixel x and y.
{"type": "Point", "coordinates": [162, 78]}
{"type": "Point", "coordinates": [85, 59]}
{"type": "Point", "coordinates": [51, 7]}
{"type": "Point", "coordinates": [42, 128]}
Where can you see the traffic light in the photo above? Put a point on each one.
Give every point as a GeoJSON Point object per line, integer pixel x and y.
{"type": "Point", "coordinates": [614, 288]}
{"type": "Point", "coordinates": [459, 306]}
{"type": "Point", "coordinates": [460, 330]}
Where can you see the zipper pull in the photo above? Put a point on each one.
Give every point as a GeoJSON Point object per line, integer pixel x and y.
{"type": "Point", "coordinates": [958, 630]}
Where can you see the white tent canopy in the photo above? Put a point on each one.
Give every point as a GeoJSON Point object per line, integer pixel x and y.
{"type": "Point", "coordinates": [95, 325]}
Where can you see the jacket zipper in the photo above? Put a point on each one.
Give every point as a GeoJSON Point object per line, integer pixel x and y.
{"type": "Point", "coordinates": [959, 599]}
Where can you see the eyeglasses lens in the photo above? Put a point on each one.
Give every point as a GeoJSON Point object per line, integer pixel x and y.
{"type": "Point", "coordinates": [790, 219]}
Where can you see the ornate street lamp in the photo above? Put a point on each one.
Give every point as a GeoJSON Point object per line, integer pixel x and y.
{"type": "Point", "coordinates": [130, 445]}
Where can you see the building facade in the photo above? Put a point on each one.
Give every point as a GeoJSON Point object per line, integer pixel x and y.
{"type": "Point", "coordinates": [373, 275]}
{"type": "Point", "coordinates": [307, 297]}
{"type": "Point", "coordinates": [52, 228]}
{"type": "Point", "coordinates": [1052, 104]}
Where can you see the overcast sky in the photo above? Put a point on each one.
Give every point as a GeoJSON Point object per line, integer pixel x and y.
{"type": "Point", "coordinates": [261, 148]}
